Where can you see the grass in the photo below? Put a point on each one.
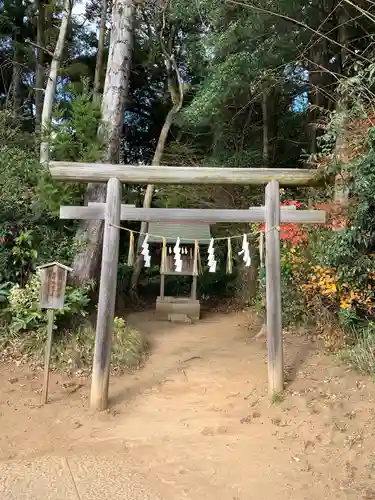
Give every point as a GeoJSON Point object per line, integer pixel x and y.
{"type": "Point", "coordinates": [129, 348]}
{"type": "Point", "coordinates": [73, 350]}
{"type": "Point", "coordinates": [361, 355]}
{"type": "Point", "coordinates": [277, 398]}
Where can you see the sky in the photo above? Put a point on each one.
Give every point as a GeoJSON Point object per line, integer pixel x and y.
{"type": "Point", "coordinates": [79, 9]}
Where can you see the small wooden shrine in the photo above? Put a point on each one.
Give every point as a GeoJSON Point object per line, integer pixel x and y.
{"type": "Point", "coordinates": [192, 238]}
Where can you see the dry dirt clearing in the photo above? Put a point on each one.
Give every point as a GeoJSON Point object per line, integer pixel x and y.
{"type": "Point", "coordinates": [196, 421]}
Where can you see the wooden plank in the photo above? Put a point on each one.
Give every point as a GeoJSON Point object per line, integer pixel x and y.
{"type": "Point", "coordinates": [47, 355]}
{"type": "Point", "coordinates": [92, 212]}
{"type": "Point", "coordinates": [273, 289]}
{"type": "Point", "coordinates": [52, 288]}
{"type": "Point", "coordinates": [162, 286]}
{"type": "Point", "coordinates": [194, 287]}
{"type": "Point", "coordinates": [145, 174]}
{"type": "Point", "coordinates": [107, 298]}
{"type": "Point", "coordinates": [96, 204]}
{"type": "Point", "coordinates": [210, 216]}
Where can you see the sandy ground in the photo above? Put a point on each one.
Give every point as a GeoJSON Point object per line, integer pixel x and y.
{"type": "Point", "coordinates": [196, 422]}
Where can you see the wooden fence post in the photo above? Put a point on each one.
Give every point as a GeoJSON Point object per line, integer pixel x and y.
{"type": "Point", "coordinates": [47, 356]}
{"type": "Point", "coordinates": [107, 297]}
{"type": "Point", "coordinates": [273, 289]}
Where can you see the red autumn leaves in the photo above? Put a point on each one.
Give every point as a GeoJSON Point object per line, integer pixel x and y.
{"type": "Point", "coordinates": [296, 234]}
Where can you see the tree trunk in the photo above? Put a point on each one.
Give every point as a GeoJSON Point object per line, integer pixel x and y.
{"type": "Point", "coordinates": [100, 53]}
{"type": "Point", "coordinates": [90, 233]}
{"type": "Point", "coordinates": [319, 84]}
{"type": "Point", "coordinates": [16, 73]}
{"type": "Point", "coordinates": [266, 141]}
{"type": "Point", "coordinates": [273, 117]}
{"type": "Point", "coordinates": [16, 81]}
{"type": "Point", "coordinates": [341, 193]}
{"type": "Point", "coordinates": [39, 70]}
{"type": "Point", "coordinates": [246, 284]}
{"type": "Point", "coordinates": [49, 95]}
{"type": "Point", "coordinates": [177, 97]}
{"type": "Point", "coordinates": [314, 97]}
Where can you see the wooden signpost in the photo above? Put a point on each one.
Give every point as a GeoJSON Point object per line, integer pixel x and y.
{"type": "Point", "coordinates": [52, 293]}
{"type": "Point", "coordinates": [112, 212]}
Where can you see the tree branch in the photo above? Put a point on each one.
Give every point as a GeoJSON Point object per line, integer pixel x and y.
{"type": "Point", "coordinates": [296, 22]}
{"type": "Point", "coordinates": [177, 98]}
{"type": "Point", "coordinates": [39, 47]}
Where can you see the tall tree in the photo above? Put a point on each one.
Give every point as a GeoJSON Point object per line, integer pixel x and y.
{"type": "Point", "coordinates": [100, 52]}
{"type": "Point", "coordinates": [39, 70]}
{"type": "Point", "coordinates": [90, 233]}
{"type": "Point", "coordinates": [176, 92]}
{"type": "Point", "coordinates": [17, 56]}
{"type": "Point", "coordinates": [50, 92]}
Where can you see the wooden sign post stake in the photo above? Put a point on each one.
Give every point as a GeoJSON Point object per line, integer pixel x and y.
{"type": "Point", "coordinates": [47, 355]}
{"type": "Point", "coordinates": [52, 294]}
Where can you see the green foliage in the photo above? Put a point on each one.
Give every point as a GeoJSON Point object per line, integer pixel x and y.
{"type": "Point", "coordinates": [75, 138]}
{"type": "Point", "coordinates": [75, 130]}
{"type": "Point", "coordinates": [53, 194]}
{"type": "Point", "coordinates": [30, 229]}
{"type": "Point", "coordinates": [75, 350]}
{"type": "Point", "coordinates": [29, 232]}
{"type": "Point", "coordinates": [18, 177]}
{"type": "Point", "coordinates": [4, 291]}
{"type": "Point", "coordinates": [25, 312]}
{"type": "Point", "coordinates": [20, 211]}
{"type": "Point", "coordinates": [277, 398]}
{"type": "Point", "coordinates": [342, 269]}
{"type": "Point", "coordinates": [293, 305]}
{"type": "Point", "coordinates": [24, 255]}
{"type": "Point", "coordinates": [350, 250]}
{"type": "Point", "coordinates": [129, 345]}
{"type": "Point", "coordinates": [361, 354]}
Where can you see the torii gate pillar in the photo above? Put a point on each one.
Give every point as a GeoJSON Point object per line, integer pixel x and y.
{"type": "Point", "coordinates": [273, 289]}
{"type": "Point", "coordinates": [107, 297]}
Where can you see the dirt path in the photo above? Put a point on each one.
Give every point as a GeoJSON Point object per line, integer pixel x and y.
{"type": "Point", "coordinates": [196, 421]}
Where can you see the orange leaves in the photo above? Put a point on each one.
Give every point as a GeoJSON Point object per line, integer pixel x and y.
{"type": "Point", "coordinates": [336, 212]}
{"type": "Point", "coordinates": [323, 281]}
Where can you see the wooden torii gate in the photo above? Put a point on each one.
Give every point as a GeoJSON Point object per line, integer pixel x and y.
{"type": "Point", "coordinates": [113, 212]}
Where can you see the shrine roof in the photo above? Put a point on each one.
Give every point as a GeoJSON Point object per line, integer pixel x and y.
{"type": "Point", "coordinates": [187, 232]}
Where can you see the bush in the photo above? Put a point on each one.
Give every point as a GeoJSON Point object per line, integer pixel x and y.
{"type": "Point", "coordinates": [25, 312]}
{"type": "Point", "coordinates": [30, 230]}
{"type": "Point", "coordinates": [73, 347]}
{"type": "Point", "coordinates": [361, 355]}
{"type": "Point", "coordinates": [293, 304]}
{"type": "Point", "coordinates": [128, 345]}
{"type": "Point", "coordinates": [75, 350]}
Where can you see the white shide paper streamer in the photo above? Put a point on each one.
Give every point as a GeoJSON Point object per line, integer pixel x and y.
{"type": "Point", "coordinates": [245, 251]}
{"type": "Point", "coordinates": [211, 257]}
{"type": "Point", "coordinates": [146, 252]}
{"type": "Point", "coordinates": [177, 256]}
